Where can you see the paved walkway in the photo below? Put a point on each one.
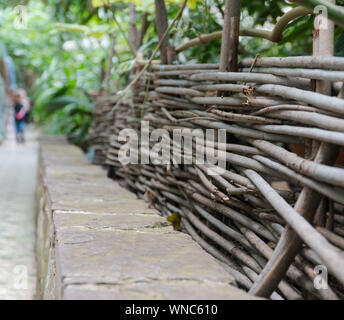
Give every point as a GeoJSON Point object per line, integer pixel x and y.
{"type": "Point", "coordinates": [18, 176]}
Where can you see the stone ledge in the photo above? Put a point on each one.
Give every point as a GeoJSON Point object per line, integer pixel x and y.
{"type": "Point", "coordinates": [156, 290]}
{"type": "Point", "coordinates": [96, 240]}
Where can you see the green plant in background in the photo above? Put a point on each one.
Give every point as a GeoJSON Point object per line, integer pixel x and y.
{"type": "Point", "coordinates": [62, 53]}
{"type": "Point", "coordinates": [59, 67]}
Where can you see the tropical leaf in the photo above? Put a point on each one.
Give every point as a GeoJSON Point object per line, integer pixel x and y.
{"type": "Point", "coordinates": [61, 102]}
{"type": "Point", "coordinates": [125, 66]}
{"type": "Point", "coordinates": [80, 111]}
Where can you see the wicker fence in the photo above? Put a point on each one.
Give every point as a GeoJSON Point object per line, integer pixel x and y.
{"type": "Point", "coordinates": [284, 155]}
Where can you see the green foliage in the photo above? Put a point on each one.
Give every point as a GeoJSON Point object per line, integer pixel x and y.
{"type": "Point", "coordinates": [188, 29]}
{"type": "Point", "coordinates": [62, 50]}
{"type": "Point", "coordinates": [54, 64]}
{"type": "Point", "coordinates": [263, 11]}
{"type": "Point", "coordinates": [146, 5]}
{"type": "Point", "coordinates": [339, 45]}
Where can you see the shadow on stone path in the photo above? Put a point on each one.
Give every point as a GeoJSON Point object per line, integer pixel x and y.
{"type": "Point", "coordinates": [18, 178]}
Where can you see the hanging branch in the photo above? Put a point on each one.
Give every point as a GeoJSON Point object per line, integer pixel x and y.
{"type": "Point", "coordinates": [335, 12]}
{"type": "Point", "coordinates": [133, 33]}
{"type": "Point", "coordinates": [146, 66]}
{"type": "Point", "coordinates": [132, 49]}
{"type": "Point", "coordinates": [219, 7]}
{"type": "Point", "coordinates": [275, 35]}
{"type": "Point", "coordinates": [109, 66]}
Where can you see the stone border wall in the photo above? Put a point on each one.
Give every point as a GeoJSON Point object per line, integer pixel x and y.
{"type": "Point", "coordinates": [96, 240]}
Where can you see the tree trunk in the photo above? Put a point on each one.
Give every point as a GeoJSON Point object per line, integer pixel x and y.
{"type": "Point", "coordinates": [143, 29]}
{"type": "Point", "coordinates": [109, 65]}
{"type": "Point", "coordinates": [161, 22]}
{"type": "Point", "coordinates": [133, 33]}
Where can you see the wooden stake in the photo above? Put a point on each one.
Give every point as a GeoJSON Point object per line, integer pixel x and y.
{"type": "Point", "coordinates": [230, 36]}
{"type": "Point", "coordinates": [323, 45]}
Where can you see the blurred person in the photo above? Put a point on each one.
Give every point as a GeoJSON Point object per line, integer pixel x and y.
{"type": "Point", "coordinates": [21, 105]}
{"type": "Point", "coordinates": [24, 99]}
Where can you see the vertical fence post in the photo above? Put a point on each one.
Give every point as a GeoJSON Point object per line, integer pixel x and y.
{"type": "Point", "coordinates": [324, 46]}
{"type": "Point", "coordinates": [324, 43]}
{"type": "Point", "coordinates": [230, 36]}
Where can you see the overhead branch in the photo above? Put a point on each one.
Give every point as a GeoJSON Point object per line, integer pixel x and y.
{"type": "Point", "coordinates": [335, 12]}
{"type": "Point", "coordinates": [275, 35]}
{"type": "Point", "coordinates": [145, 67]}
{"type": "Point", "coordinates": [219, 7]}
